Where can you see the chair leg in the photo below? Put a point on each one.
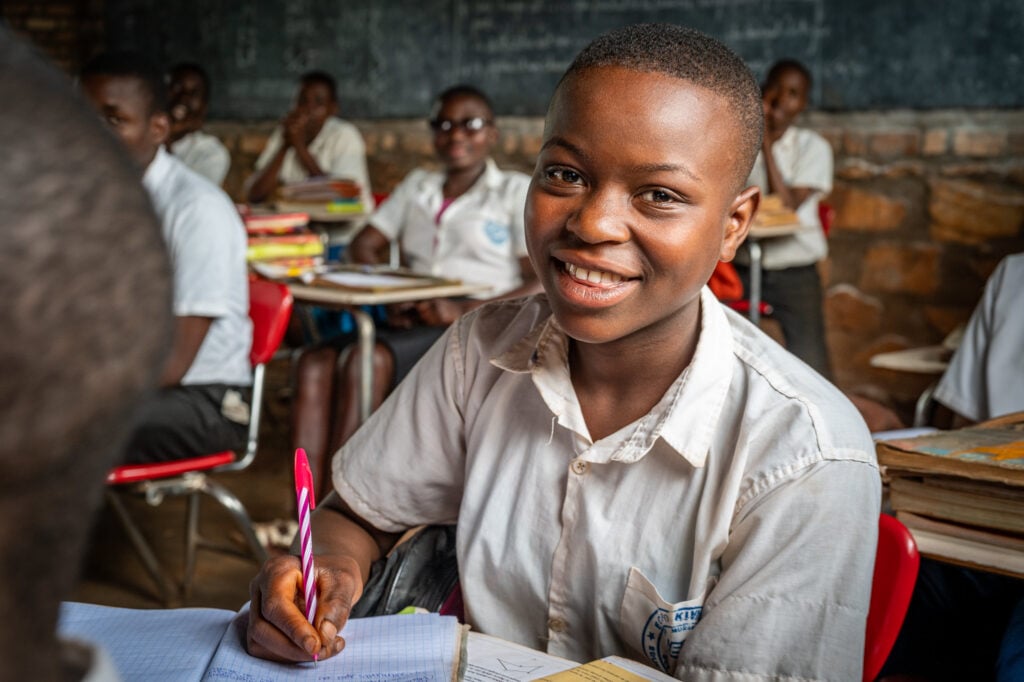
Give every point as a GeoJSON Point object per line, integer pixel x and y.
{"type": "Point", "coordinates": [191, 542]}
{"type": "Point", "coordinates": [149, 560]}
{"type": "Point", "coordinates": [233, 505]}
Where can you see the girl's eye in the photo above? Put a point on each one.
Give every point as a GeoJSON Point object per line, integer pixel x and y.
{"type": "Point", "coordinates": [570, 177]}
{"type": "Point", "coordinates": [657, 196]}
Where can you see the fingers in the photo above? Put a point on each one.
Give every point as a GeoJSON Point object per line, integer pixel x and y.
{"type": "Point", "coordinates": [338, 592]}
{"type": "Point", "coordinates": [277, 628]}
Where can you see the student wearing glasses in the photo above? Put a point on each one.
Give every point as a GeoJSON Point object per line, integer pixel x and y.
{"type": "Point", "coordinates": [465, 222]}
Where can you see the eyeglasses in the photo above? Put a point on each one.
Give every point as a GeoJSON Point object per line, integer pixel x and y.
{"type": "Point", "coordinates": [468, 125]}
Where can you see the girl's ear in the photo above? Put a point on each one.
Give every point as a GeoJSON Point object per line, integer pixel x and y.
{"type": "Point", "coordinates": [741, 215]}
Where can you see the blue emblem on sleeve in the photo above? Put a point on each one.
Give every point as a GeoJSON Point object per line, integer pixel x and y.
{"type": "Point", "coordinates": [496, 232]}
{"type": "Point", "coordinates": [665, 632]}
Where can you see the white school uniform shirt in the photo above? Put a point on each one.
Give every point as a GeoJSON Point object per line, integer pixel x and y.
{"type": "Point", "coordinates": [985, 377]}
{"type": "Point", "coordinates": [728, 534]}
{"type": "Point", "coordinates": [339, 150]}
{"type": "Point", "coordinates": [206, 243]}
{"type": "Point", "coordinates": [480, 236]}
{"type": "Point", "coordinates": [805, 160]}
{"type": "Point", "coordinates": [204, 154]}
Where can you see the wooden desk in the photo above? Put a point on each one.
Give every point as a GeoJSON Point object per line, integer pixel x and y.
{"type": "Point", "coordinates": [352, 299]}
{"type": "Point", "coordinates": [754, 237]}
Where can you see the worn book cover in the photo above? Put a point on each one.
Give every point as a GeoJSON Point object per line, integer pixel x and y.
{"type": "Point", "coordinates": [990, 451]}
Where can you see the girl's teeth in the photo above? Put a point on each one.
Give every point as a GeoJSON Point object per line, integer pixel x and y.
{"type": "Point", "coordinates": [593, 276]}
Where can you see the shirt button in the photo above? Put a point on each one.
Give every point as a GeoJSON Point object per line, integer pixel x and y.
{"type": "Point", "coordinates": [580, 466]}
{"type": "Point", "coordinates": [556, 625]}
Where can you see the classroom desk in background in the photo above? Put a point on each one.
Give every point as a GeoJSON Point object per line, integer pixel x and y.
{"type": "Point", "coordinates": [754, 237]}
{"type": "Point", "coordinates": [351, 299]}
{"type": "Point", "coordinates": [925, 360]}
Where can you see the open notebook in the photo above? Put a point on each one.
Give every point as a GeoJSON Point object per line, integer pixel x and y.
{"type": "Point", "coordinates": [207, 644]}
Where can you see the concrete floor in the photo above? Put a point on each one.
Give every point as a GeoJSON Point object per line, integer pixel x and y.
{"type": "Point", "coordinates": [114, 575]}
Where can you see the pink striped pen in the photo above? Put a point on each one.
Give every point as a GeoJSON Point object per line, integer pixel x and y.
{"type": "Point", "coordinates": [306, 503]}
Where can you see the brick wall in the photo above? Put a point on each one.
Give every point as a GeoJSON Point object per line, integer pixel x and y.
{"type": "Point", "coordinates": [68, 31]}
{"type": "Point", "coordinates": [926, 205]}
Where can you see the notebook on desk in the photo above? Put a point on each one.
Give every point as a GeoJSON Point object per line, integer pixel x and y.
{"type": "Point", "coordinates": [207, 644]}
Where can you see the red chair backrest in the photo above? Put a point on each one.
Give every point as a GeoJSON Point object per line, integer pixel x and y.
{"type": "Point", "coordinates": [896, 564]}
{"type": "Point", "coordinates": [270, 308]}
{"type": "Point", "coordinates": [826, 215]}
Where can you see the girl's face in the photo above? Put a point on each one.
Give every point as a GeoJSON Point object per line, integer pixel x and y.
{"type": "Point", "coordinates": [464, 132]}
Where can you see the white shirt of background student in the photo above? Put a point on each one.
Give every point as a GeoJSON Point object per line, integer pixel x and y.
{"type": "Point", "coordinates": [479, 238]}
{"type": "Point", "coordinates": [985, 378]}
{"type": "Point", "coordinates": [188, 97]}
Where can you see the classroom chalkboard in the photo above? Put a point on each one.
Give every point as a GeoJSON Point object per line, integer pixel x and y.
{"type": "Point", "coordinates": [391, 56]}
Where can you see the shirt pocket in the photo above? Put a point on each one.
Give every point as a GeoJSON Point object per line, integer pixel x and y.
{"type": "Point", "coordinates": [654, 627]}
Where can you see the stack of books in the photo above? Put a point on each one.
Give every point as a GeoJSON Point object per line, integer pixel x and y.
{"type": "Point", "coordinates": [961, 492]}
{"type": "Point", "coordinates": [319, 196]}
{"type": "Point", "coordinates": [281, 245]}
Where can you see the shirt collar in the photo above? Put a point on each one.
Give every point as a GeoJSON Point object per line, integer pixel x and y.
{"type": "Point", "coordinates": [686, 417]}
{"type": "Point", "coordinates": [157, 170]}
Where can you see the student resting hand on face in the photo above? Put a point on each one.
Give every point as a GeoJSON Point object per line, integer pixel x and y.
{"type": "Point", "coordinates": [311, 142]}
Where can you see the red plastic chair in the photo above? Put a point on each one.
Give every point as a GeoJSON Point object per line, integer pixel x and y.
{"type": "Point", "coordinates": [896, 564]}
{"type": "Point", "coordinates": [826, 215]}
{"type": "Point", "coordinates": [270, 307]}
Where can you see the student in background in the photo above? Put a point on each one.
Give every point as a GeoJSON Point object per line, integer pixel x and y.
{"type": "Point", "coordinates": [465, 222]}
{"type": "Point", "coordinates": [189, 97]}
{"type": "Point", "coordinates": [203, 405]}
{"type": "Point", "coordinates": [795, 164]}
{"type": "Point", "coordinates": [85, 330]}
{"type": "Point", "coordinates": [311, 142]}
{"type": "Point", "coordinates": [633, 470]}
{"type": "Point", "coordinates": [985, 379]}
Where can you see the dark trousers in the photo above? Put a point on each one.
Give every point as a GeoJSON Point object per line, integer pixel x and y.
{"type": "Point", "coordinates": [795, 295]}
{"type": "Point", "coordinates": [179, 422]}
{"type": "Point", "coordinates": [957, 626]}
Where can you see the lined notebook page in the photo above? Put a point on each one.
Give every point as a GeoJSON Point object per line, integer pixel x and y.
{"type": "Point", "coordinates": [407, 648]}
{"type": "Point", "coordinates": [149, 644]}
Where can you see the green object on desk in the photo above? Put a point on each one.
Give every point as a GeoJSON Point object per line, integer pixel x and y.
{"type": "Point", "coordinates": [345, 206]}
{"type": "Point", "coordinates": [410, 610]}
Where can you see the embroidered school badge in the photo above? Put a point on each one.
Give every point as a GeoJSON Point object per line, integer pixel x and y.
{"type": "Point", "coordinates": [665, 632]}
{"type": "Point", "coordinates": [496, 232]}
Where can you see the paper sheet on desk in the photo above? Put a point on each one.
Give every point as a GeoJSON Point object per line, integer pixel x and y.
{"type": "Point", "coordinates": [374, 281]}
{"type": "Point", "coordinates": [149, 644]}
{"type": "Point", "coordinates": [492, 659]}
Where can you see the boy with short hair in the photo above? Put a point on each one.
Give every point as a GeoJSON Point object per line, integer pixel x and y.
{"type": "Point", "coordinates": [796, 164]}
{"type": "Point", "coordinates": [633, 469]}
{"type": "Point", "coordinates": [203, 405]}
{"type": "Point", "coordinates": [310, 142]}
{"type": "Point", "coordinates": [189, 94]}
